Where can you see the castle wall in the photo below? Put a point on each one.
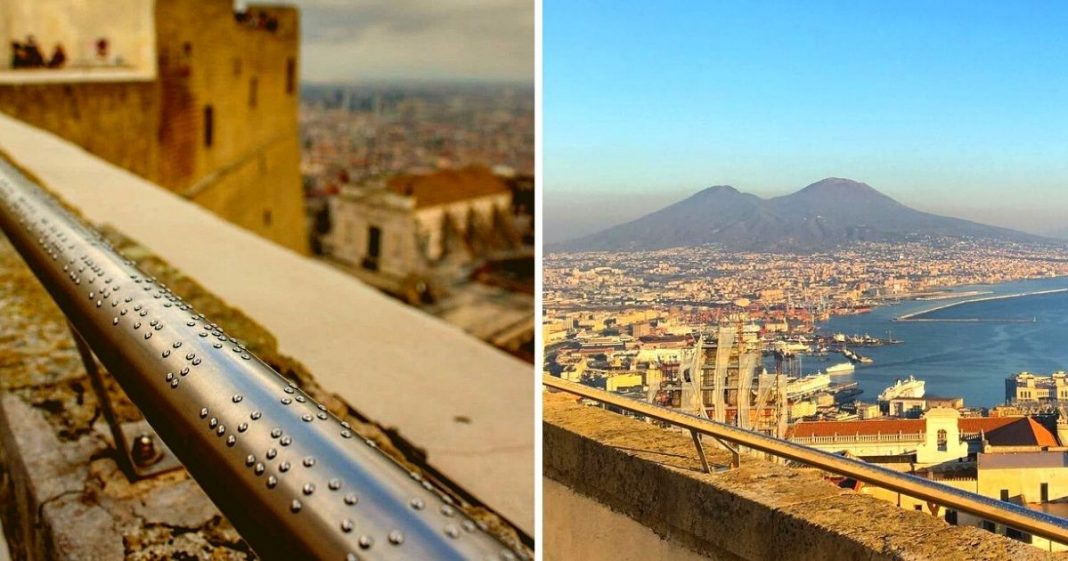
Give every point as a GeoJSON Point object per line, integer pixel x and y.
{"type": "Point", "coordinates": [237, 80]}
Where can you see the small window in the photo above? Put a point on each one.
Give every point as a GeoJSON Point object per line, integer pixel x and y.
{"type": "Point", "coordinates": [1015, 534]}
{"type": "Point", "coordinates": [1044, 492]}
{"type": "Point", "coordinates": [943, 440]}
{"type": "Point", "coordinates": [253, 91]}
{"type": "Point", "coordinates": [988, 525]}
{"type": "Point", "coordinates": [291, 76]}
{"type": "Point", "coordinates": [951, 517]}
{"type": "Point", "coordinates": [1004, 494]}
{"type": "Point", "coordinates": [209, 126]}
{"type": "Point", "coordinates": [267, 217]}
{"type": "Point", "coordinates": [917, 507]}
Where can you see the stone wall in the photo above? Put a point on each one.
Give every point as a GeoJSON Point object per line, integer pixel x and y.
{"type": "Point", "coordinates": [250, 172]}
{"type": "Point", "coordinates": [758, 512]}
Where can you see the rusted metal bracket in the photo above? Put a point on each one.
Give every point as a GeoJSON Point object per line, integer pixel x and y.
{"type": "Point", "coordinates": [141, 453]}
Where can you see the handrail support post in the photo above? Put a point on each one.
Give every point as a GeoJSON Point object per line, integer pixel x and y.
{"type": "Point", "coordinates": [736, 456]}
{"type": "Point", "coordinates": [148, 455]}
{"type": "Point", "coordinates": [700, 451]}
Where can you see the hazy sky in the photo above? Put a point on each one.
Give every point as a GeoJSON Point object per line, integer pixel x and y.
{"type": "Point", "coordinates": [959, 108]}
{"type": "Point", "coordinates": [417, 40]}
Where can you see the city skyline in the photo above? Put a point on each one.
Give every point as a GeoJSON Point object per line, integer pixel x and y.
{"type": "Point", "coordinates": [941, 112]}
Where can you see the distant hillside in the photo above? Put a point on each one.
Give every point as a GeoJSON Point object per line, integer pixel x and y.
{"type": "Point", "coordinates": [822, 216]}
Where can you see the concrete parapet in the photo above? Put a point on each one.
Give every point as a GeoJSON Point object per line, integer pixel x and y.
{"type": "Point", "coordinates": [759, 512]}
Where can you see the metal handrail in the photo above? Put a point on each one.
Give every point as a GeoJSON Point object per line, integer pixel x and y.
{"type": "Point", "coordinates": [1020, 518]}
{"type": "Point", "coordinates": [296, 482]}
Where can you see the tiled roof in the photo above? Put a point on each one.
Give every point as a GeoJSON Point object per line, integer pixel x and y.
{"type": "Point", "coordinates": [1023, 431]}
{"type": "Point", "coordinates": [448, 186]}
{"type": "Point", "coordinates": [849, 428]}
{"type": "Point", "coordinates": [970, 425]}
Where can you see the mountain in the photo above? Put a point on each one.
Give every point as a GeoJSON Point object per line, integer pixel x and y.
{"type": "Point", "coordinates": [827, 214]}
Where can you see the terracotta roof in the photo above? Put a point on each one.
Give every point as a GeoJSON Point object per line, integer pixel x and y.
{"type": "Point", "coordinates": [969, 425]}
{"type": "Point", "coordinates": [1023, 431]}
{"type": "Point", "coordinates": [448, 186]}
{"type": "Point", "coordinates": [849, 428]}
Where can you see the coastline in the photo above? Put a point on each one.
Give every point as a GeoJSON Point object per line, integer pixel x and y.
{"type": "Point", "coordinates": [914, 316]}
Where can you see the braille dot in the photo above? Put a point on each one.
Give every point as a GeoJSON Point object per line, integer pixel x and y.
{"type": "Point", "coordinates": [177, 344]}
{"type": "Point", "coordinates": [123, 312]}
{"type": "Point", "coordinates": [137, 325]}
{"type": "Point", "coordinates": [231, 440]}
{"type": "Point", "coordinates": [166, 353]}
{"type": "Point", "coordinates": [190, 356]}
{"type": "Point", "coordinates": [219, 431]}
{"type": "Point", "coordinates": [246, 357]}
{"type": "Point", "coordinates": [346, 434]}
{"type": "Point", "coordinates": [351, 499]}
{"type": "Point", "coordinates": [309, 462]}
{"type": "Point", "coordinates": [346, 425]}
{"type": "Point", "coordinates": [148, 335]}
{"type": "Point", "coordinates": [286, 401]}
{"type": "Point", "coordinates": [242, 427]}
{"type": "Point", "coordinates": [295, 506]}
{"type": "Point", "coordinates": [114, 321]}
{"type": "Point", "coordinates": [170, 376]}
{"type": "Point", "coordinates": [174, 383]}
{"type": "Point", "coordinates": [346, 525]}
{"type": "Point", "coordinates": [185, 370]}
{"type": "Point", "coordinates": [308, 489]}
{"type": "Point", "coordinates": [285, 440]}
{"type": "Point", "coordinates": [447, 510]}
{"type": "Point", "coordinates": [159, 326]}
{"type": "Point", "coordinates": [203, 334]}
{"type": "Point", "coordinates": [351, 557]}
{"type": "Point", "coordinates": [322, 416]}
{"type": "Point", "coordinates": [153, 322]}
{"type": "Point", "coordinates": [99, 303]}
{"type": "Point", "coordinates": [276, 432]}
{"type": "Point", "coordinates": [249, 460]}
{"type": "Point", "coordinates": [272, 453]}
{"type": "Point", "coordinates": [321, 407]}
{"type": "Point", "coordinates": [203, 412]}
{"type": "Point", "coordinates": [452, 531]}
{"type": "Point", "coordinates": [417, 503]}
{"type": "Point", "coordinates": [143, 313]}
{"type": "Point", "coordinates": [272, 481]}
{"type": "Point", "coordinates": [365, 542]}
{"type": "Point", "coordinates": [255, 415]}
{"type": "Point", "coordinates": [283, 467]}
{"type": "Point", "coordinates": [469, 525]}
{"type": "Point", "coordinates": [259, 469]}
{"type": "Point", "coordinates": [307, 418]}
{"type": "Point", "coordinates": [213, 422]}
{"type": "Point", "coordinates": [396, 538]}
{"type": "Point", "coordinates": [217, 345]}
{"type": "Point", "coordinates": [196, 361]}
{"type": "Point", "coordinates": [334, 484]}
{"type": "Point", "coordinates": [300, 398]}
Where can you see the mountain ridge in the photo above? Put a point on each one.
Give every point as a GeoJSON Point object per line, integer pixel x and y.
{"type": "Point", "coordinates": [823, 215]}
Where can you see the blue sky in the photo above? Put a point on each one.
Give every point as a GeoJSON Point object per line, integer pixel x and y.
{"type": "Point", "coordinates": [959, 108]}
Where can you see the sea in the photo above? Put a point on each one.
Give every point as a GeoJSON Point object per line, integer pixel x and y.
{"type": "Point", "coordinates": [969, 356]}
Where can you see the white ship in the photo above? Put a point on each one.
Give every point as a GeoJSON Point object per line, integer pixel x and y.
{"type": "Point", "coordinates": [808, 384]}
{"type": "Point", "coordinates": [841, 368]}
{"type": "Point", "coordinates": [904, 388]}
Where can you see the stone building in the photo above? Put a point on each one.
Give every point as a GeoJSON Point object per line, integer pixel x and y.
{"type": "Point", "coordinates": [187, 94]}
{"type": "Point", "coordinates": [416, 229]}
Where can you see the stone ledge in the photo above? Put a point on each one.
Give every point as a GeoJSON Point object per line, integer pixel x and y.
{"type": "Point", "coordinates": [759, 512]}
